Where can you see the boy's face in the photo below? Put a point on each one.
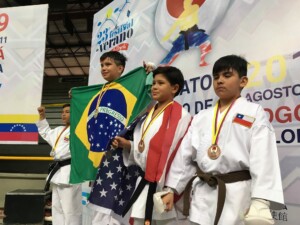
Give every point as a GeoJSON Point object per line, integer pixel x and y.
{"type": "Point", "coordinates": [65, 115]}
{"type": "Point", "coordinates": [162, 90]}
{"type": "Point", "coordinates": [110, 70]}
{"type": "Point", "coordinates": [228, 84]}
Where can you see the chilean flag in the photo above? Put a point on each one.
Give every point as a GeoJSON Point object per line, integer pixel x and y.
{"type": "Point", "coordinates": [18, 131]}
{"type": "Point", "coordinates": [244, 120]}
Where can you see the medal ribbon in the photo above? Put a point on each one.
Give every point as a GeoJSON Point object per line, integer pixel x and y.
{"type": "Point", "coordinates": [145, 129]}
{"type": "Point", "coordinates": [101, 94]}
{"type": "Point", "coordinates": [54, 147]}
{"type": "Point", "coordinates": [216, 127]}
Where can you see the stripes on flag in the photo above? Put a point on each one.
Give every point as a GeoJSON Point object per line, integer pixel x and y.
{"type": "Point", "coordinates": [244, 120]}
{"type": "Point", "coordinates": [18, 129]}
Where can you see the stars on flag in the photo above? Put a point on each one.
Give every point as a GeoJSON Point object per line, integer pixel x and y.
{"type": "Point", "coordinates": [114, 183]}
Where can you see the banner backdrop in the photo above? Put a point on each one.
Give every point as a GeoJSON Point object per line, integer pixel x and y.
{"type": "Point", "coordinates": [193, 34]}
{"type": "Point", "coordinates": [22, 53]}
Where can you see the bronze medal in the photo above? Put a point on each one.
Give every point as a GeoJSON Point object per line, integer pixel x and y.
{"type": "Point", "coordinates": [214, 152]}
{"type": "Point", "coordinates": [141, 146]}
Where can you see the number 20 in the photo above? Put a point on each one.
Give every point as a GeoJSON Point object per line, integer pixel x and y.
{"type": "Point", "coordinates": [253, 77]}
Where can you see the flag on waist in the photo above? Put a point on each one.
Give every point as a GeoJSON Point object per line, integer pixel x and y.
{"type": "Point", "coordinates": [18, 129]}
{"type": "Point", "coordinates": [97, 116]}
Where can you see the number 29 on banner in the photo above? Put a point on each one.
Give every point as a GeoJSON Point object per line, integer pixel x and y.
{"type": "Point", "coordinates": [3, 21]}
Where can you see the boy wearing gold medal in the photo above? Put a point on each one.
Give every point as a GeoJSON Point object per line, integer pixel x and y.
{"type": "Point", "coordinates": [66, 198]}
{"type": "Point", "coordinates": [112, 67]}
{"type": "Point", "coordinates": [154, 145]}
{"type": "Point", "coordinates": [232, 149]}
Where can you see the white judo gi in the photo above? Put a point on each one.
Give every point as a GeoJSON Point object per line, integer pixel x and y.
{"type": "Point", "coordinates": [242, 148]}
{"type": "Point", "coordinates": [66, 198]}
{"type": "Point", "coordinates": [140, 159]}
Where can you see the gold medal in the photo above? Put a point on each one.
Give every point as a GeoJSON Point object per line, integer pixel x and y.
{"type": "Point", "coordinates": [214, 152]}
{"type": "Point", "coordinates": [96, 113]}
{"type": "Point", "coordinates": [101, 94]}
{"type": "Point", "coordinates": [141, 146]}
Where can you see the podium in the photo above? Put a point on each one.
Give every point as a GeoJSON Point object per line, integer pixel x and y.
{"type": "Point", "coordinates": [25, 206]}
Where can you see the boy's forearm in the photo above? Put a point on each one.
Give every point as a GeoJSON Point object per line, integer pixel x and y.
{"type": "Point", "coordinates": [42, 117]}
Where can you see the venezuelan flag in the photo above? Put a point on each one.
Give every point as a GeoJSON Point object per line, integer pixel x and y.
{"type": "Point", "coordinates": [97, 115]}
{"type": "Point", "coordinates": [18, 129]}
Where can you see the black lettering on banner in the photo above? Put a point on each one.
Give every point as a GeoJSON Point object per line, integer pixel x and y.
{"type": "Point", "coordinates": [193, 84]}
{"type": "Point", "coordinates": [278, 92]}
{"type": "Point", "coordinates": [198, 106]}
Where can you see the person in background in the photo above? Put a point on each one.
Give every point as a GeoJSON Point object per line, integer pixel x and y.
{"type": "Point", "coordinates": [155, 142]}
{"type": "Point", "coordinates": [66, 198]}
{"type": "Point", "coordinates": [232, 149]}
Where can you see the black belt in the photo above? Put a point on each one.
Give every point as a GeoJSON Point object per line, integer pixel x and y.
{"type": "Point", "coordinates": [149, 202]}
{"type": "Point", "coordinates": [53, 168]}
{"type": "Point", "coordinates": [213, 181]}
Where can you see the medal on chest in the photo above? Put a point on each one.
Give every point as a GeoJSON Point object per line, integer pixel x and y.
{"type": "Point", "coordinates": [214, 150]}
{"type": "Point", "coordinates": [101, 94]}
{"type": "Point", "coordinates": [148, 122]}
{"type": "Point", "coordinates": [141, 146]}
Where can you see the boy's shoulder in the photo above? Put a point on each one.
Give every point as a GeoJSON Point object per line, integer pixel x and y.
{"type": "Point", "coordinates": [206, 111]}
{"type": "Point", "coordinates": [184, 111]}
{"type": "Point", "coordinates": [186, 114]}
{"type": "Point", "coordinates": [245, 105]}
{"type": "Point", "coordinates": [241, 105]}
{"type": "Point", "coordinates": [254, 110]}
{"type": "Point", "coordinates": [204, 114]}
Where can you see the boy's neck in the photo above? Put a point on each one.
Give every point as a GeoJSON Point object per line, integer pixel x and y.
{"type": "Point", "coordinates": [161, 105]}
{"type": "Point", "coordinates": [224, 103]}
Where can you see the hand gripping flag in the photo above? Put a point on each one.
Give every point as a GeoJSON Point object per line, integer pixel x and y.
{"type": "Point", "coordinates": [92, 127]}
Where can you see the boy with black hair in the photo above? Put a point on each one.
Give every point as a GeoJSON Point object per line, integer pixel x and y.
{"type": "Point", "coordinates": [66, 197]}
{"type": "Point", "coordinates": [154, 145]}
{"type": "Point", "coordinates": [232, 149]}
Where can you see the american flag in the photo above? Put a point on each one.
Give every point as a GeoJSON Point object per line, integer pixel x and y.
{"type": "Point", "coordinates": [114, 183]}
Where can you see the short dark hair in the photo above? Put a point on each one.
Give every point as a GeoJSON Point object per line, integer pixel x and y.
{"type": "Point", "coordinates": [66, 105]}
{"type": "Point", "coordinates": [235, 62]}
{"type": "Point", "coordinates": [172, 74]}
{"type": "Point", "coordinates": [118, 57]}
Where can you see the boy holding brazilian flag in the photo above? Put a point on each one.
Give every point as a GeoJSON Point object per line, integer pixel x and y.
{"type": "Point", "coordinates": [99, 113]}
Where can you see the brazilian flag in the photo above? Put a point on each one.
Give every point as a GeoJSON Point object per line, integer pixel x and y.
{"type": "Point", "coordinates": [98, 114]}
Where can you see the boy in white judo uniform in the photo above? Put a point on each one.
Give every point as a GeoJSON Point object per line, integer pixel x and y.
{"type": "Point", "coordinates": [66, 198]}
{"type": "Point", "coordinates": [232, 147]}
{"type": "Point", "coordinates": [155, 143]}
